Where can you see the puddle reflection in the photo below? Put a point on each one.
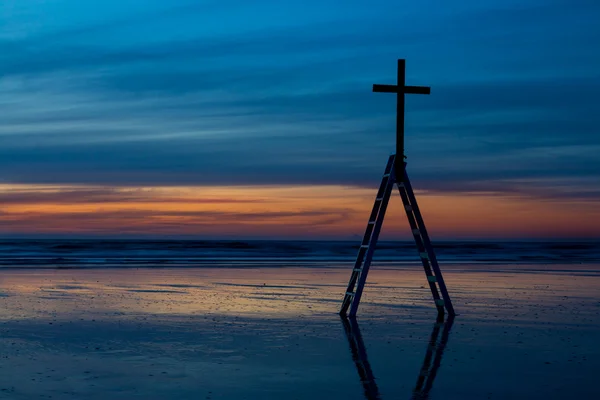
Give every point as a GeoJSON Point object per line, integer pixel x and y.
{"type": "Point", "coordinates": [429, 369]}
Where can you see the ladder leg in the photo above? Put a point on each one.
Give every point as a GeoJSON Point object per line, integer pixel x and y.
{"type": "Point", "coordinates": [371, 249]}
{"type": "Point", "coordinates": [431, 279]}
{"type": "Point", "coordinates": [368, 243]}
{"type": "Point", "coordinates": [362, 250]}
{"type": "Point", "coordinates": [429, 252]}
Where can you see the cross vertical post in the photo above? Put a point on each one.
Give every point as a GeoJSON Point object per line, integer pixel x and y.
{"type": "Point", "coordinates": [400, 119]}
{"type": "Point", "coordinates": [400, 89]}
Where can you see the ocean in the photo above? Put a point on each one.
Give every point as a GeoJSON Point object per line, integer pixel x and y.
{"type": "Point", "coordinates": [150, 319]}
{"type": "Point", "coordinates": [28, 253]}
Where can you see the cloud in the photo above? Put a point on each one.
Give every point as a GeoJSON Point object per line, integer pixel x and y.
{"type": "Point", "coordinates": [196, 211]}
{"type": "Point", "coordinates": [183, 94]}
{"type": "Point", "coordinates": [292, 212]}
{"type": "Point", "coordinates": [94, 195]}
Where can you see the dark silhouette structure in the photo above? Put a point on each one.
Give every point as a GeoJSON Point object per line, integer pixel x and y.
{"type": "Point", "coordinates": [395, 174]}
{"type": "Point", "coordinates": [429, 369]}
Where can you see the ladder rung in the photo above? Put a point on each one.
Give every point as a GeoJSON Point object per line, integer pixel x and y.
{"type": "Point", "coordinates": [371, 223]}
{"type": "Point", "coordinates": [352, 294]}
{"type": "Point", "coordinates": [431, 278]}
{"type": "Point", "coordinates": [424, 255]}
{"type": "Point", "coordinates": [439, 302]}
{"type": "Point", "coordinates": [416, 232]}
{"type": "Point", "coordinates": [408, 208]}
{"type": "Point", "coordinates": [386, 175]}
{"type": "Point", "coordinates": [364, 246]}
{"type": "Point", "coordinates": [379, 199]}
{"type": "Point", "coordinates": [357, 269]}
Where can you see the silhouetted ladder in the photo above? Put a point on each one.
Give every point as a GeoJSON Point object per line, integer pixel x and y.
{"type": "Point", "coordinates": [369, 242]}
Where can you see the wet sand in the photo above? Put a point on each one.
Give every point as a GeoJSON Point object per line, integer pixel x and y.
{"type": "Point", "coordinates": [274, 333]}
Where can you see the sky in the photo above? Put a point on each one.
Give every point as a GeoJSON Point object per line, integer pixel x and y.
{"type": "Point", "coordinates": [255, 119]}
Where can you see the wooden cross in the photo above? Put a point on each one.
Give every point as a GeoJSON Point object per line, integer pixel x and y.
{"type": "Point", "coordinates": [400, 89]}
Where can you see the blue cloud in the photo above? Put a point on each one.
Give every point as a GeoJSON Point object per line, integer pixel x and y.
{"type": "Point", "coordinates": [262, 92]}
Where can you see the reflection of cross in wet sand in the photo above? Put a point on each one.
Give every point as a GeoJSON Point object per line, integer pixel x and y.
{"type": "Point", "coordinates": [429, 369]}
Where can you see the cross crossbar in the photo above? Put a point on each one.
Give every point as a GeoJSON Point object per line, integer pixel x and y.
{"type": "Point", "coordinates": [406, 89]}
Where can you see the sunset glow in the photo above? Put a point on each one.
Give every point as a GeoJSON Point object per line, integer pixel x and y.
{"type": "Point", "coordinates": [279, 212]}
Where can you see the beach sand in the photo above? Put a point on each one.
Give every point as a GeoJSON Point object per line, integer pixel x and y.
{"type": "Point", "coordinates": [274, 333]}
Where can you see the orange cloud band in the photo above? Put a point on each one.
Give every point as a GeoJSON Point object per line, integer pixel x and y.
{"type": "Point", "coordinates": [282, 212]}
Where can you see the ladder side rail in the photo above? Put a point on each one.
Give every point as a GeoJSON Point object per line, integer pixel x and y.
{"type": "Point", "coordinates": [375, 211]}
{"type": "Point", "coordinates": [428, 246]}
{"type": "Point", "coordinates": [420, 245]}
{"type": "Point", "coordinates": [372, 244]}
{"type": "Point", "coordinates": [366, 237]}
{"type": "Point", "coordinates": [382, 186]}
{"type": "Point", "coordinates": [352, 283]}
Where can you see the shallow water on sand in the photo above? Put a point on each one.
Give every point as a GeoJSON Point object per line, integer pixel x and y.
{"type": "Point", "coordinates": [274, 333]}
